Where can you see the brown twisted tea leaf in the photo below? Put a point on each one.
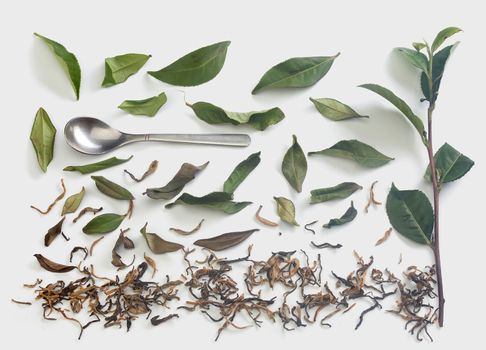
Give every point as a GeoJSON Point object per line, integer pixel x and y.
{"type": "Point", "coordinates": [58, 198]}
{"type": "Point", "coordinates": [185, 233]}
{"type": "Point", "coordinates": [225, 240]}
{"type": "Point", "coordinates": [53, 232]}
{"type": "Point", "coordinates": [52, 266]}
{"type": "Point", "coordinates": [87, 210]}
{"type": "Point", "coordinates": [372, 199]}
{"type": "Point", "coordinates": [385, 237]}
{"type": "Point", "coordinates": [116, 259]}
{"type": "Point", "coordinates": [158, 245]}
{"type": "Point", "coordinates": [151, 262]}
{"type": "Point", "coordinates": [151, 169]}
{"type": "Point", "coordinates": [264, 220]}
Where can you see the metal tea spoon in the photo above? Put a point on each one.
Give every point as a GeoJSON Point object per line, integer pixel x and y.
{"type": "Point", "coordinates": [93, 136]}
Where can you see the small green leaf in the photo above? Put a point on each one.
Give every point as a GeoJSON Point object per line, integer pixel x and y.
{"type": "Point", "coordinates": [419, 46]}
{"type": "Point", "coordinates": [104, 223]}
{"type": "Point", "coordinates": [259, 120]}
{"type": "Point", "coordinates": [286, 210]}
{"type": "Point", "coordinates": [443, 35]}
{"type": "Point", "coordinates": [119, 68]}
{"type": "Point", "coordinates": [335, 110]}
{"type": "Point", "coordinates": [401, 106]}
{"type": "Point", "coordinates": [450, 164]}
{"type": "Point", "coordinates": [411, 214]}
{"type": "Point", "coordinates": [295, 72]}
{"type": "Point", "coordinates": [240, 173]}
{"type": "Point", "coordinates": [357, 151]}
{"type": "Point", "coordinates": [195, 68]}
{"type": "Point", "coordinates": [93, 167]}
{"type": "Point", "coordinates": [341, 191]}
{"type": "Point", "coordinates": [221, 201]}
{"type": "Point", "coordinates": [294, 165]}
{"type": "Point", "coordinates": [149, 106]}
{"type": "Point", "coordinates": [415, 58]}
{"type": "Point", "coordinates": [42, 136]}
{"type": "Point", "coordinates": [112, 189]}
{"type": "Point", "coordinates": [72, 202]}
{"type": "Point", "coordinates": [348, 216]}
{"type": "Point", "coordinates": [68, 61]}
{"type": "Point", "coordinates": [158, 245]}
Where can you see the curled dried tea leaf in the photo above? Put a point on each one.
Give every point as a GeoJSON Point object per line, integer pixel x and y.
{"type": "Point", "coordinates": [119, 68]}
{"type": "Point", "coordinates": [341, 191]}
{"type": "Point", "coordinates": [112, 189]}
{"type": "Point", "coordinates": [286, 210]}
{"type": "Point", "coordinates": [385, 237]}
{"type": "Point", "coordinates": [241, 172]}
{"type": "Point", "coordinates": [450, 165]}
{"type": "Point", "coordinates": [326, 245]}
{"type": "Point", "coordinates": [186, 173]}
{"type": "Point", "coordinates": [151, 263]}
{"type": "Point", "coordinates": [72, 202]}
{"type": "Point", "coordinates": [78, 249]}
{"type": "Point", "coordinates": [93, 245]}
{"type": "Point", "coordinates": [294, 165]}
{"type": "Point", "coordinates": [87, 210]}
{"type": "Point", "coordinates": [104, 223]}
{"type": "Point", "coordinates": [335, 110]}
{"type": "Point", "coordinates": [58, 198]}
{"type": "Point", "coordinates": [93, 167]}
{"type": "Point", "coordinates": [225, 240]}
{"type": "Point", "coordinates": [263, 220]}
{"type": "Point", "coordinates": [307, 228]}
{"type": "Point", "coordinates": [348, 216]}
{"type": "Point", "coordinates": [158, 245]}
{"type": "Point", "coordinates": [52, 266]}
{"type": "Point", "coordinates": [185, 233]}
{"type": "Point", "coordinates": [21, 302]}
{"type": "Point", "coordinates": [215, 200]}
{"type": "Point", "coordinates": [42, 136]}
{"type": "Point", "coordinates": [116, 259]}
{"type": "Point", "coordinates": [148, 107]}
{"type": "Point", "coordinates": [372, 199]}
{"type": "Point", "coordinates": [151, 169]}
{"type": "Point", "coordinates": [156, 320]}
{"type": "Point", "coordinates": [53, 232]}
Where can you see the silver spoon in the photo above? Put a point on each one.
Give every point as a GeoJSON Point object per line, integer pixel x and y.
{"type": "Point", "coordinates": [93, 136]}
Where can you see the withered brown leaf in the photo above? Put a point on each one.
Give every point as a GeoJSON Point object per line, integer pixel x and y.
{"type": "Point", "coordinates": [185, 233]}
{"type": "Point", "coordinates": [151, 169]}
{"type": "Point", "coordinates": [58, 198]}
{"type": "Point", "coordinates": [116, 259]}
{"type": "Point", "coordinates": [52, 266]}
{"type": "Point", "coordinates": [225, 240]}
{"type": "Point", "coordinates": [158, 245]}
{"type": "Point", "coordinates": [156, 320]}
{"type": "Point", "coordinates": [385, 237]}
{"type": "Point", "coordinates": [151, 262]}
{"type": "Point", "coordinates": [87, 210]}
{"type": "Point", "coordinates": [53, 232]}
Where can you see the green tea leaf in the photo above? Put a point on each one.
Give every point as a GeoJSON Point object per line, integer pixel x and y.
{"type": "Point", "coordinates": [158, 245]}
{"type": "Point", "coordinates": [294, 165]}
{"type": "Point", "coordinates": [450, 164]}
{"type": "Point", "coordinates": [348, 216]}
{"type": "Point", "coordinates": [93, 167]}
{"type": "Point", "coordinates": [149, 106]}
{"type": "Point", "coordinates": [103, 223]}
{"type": "Point", "coordinates": [419, 46]}
{"type": "Point", "coordinates": [225, 240]}
{"type": "Point", "coordinates": [68, 61]}
{"type": "Point", "coordinates": [286, 210]}
{"type": "Point", "coordinates": [443, 35]}
{"type": "Point", "coordinates": [357, 151]}
{"type": "Point", "coordinates": [241, 172]}
{"type": "Point", "coordinates": [112, 189]}
{"type": "Point", "coordinates": [195, 68]}
{"type": "Point", "coordinates": [221, 201]}
{"type": "Point", "coordinates": [119, 68]}
{"type": "Point", "coordinates": [341, 191]}
{"type": "Point", "coordinates": [186, 173]}
{"type": "Point", "coordinates": [259, 120]}
{"type": "Point", "coordinates": [72, 202]}
{"type": "Point", "coordinates": [415, 58]}
{"type": "Point", "coordinates": [401, 105]}
{"type": "Point", "coordinates": [295, 72]}
{"type": "Point", "coordinates": [335, 110]}
{"type": "Point", "coordinates": [411, 214]}
{"type": "Point", "coordinates": [42, 136]}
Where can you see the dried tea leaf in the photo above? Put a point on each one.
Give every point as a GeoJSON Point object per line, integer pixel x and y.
{"type": "Point", "coordinates": [119, 68]}
{"type": "Point", "coordinates": [186, 173]}
{"type": "Point", "coordinates": [295, 72]}
{"type": "Point", "coordinates": [357, 151]}
{"type": "Point", "coordinates": [72, 202]}
{"type": "Point", "coordinates": [87, 210]}
{"type": "Point", "coordinates": [68, 61]}
{"type": "Point", "coordinates": [104, 223]}
{"type": "Point", "coordinates": [348, 216]}
{"type": "Point", "coordinates": [148, 107]}
{"type": "Point", "coordinates": [372, 199]}
{"type": "Point", "coordinates": [185, 233]}
{"type": "Point", "coordinates": [78, 249]}
{"type": "Point", "coordinates": [294, 165]}
{"type": "Point", "coordinates": [326, 245]}
{"type": "Point", "coordinates": [93, 245]}
{"type": "Point", "coordinates": [151, 263]}
{"type": "Point", "coordinates": [225, 240]}
{"type": "Point", "coordinates": [58, 198]}
{"type": "Point", "coordinates": [263, 220]}
{"type": "Point", "coordinates": [158, 245]}
{"type": "Point", "coordinates": [259, 120]}
{"type": "Point", "coordinates": [42, 136]}
{"type": "Point", "coordinates": [215, 200]}
{"type": "Point", "coordinates": [116, 259]}
{"type": "Point", "coordinates": [307, 228]}
{"type": "Point", "coordinates": [112, 189]}
{"type": "Point", "coordinates": [53, 232]}
{"type": "Point", "coordinates": [195, 68]}
{"type": "Point", "coordinates": [52, 266]}
{"type": "Point", "coordinates": [335, 110]}
{"type": "Point", "coordinates": [286, 210]}
{"type": "Point", "coordinates": [385, 237]}
{"type": "Point", "coordinates": [151, 169]}
{"type": "Point", "coordinates": [241, 172]}
{"type": "Point", "coordinates": [156, 320]}
{"type": "Point", "coordinates": [341, 191]}
{"type": "Point", "coordinates": [93, 167]}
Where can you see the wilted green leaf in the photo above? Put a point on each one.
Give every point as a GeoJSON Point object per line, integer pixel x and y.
{"type": "Point", "coordinates": [348, 216]}
{"type": "Point", "coordinates": [158, 245]}
{"type": "Point", "coordinates": [42, 136]}
{"type": "Point", "coordinates": [72, 202]}
{"type": "Point", "coordinates": [343, 190]}
{"type": "Point", "coordinates": [216, 200]}
{"type": "Point", "coordinates": [93, 167]}
{"type": "Point", "coordinates": [443, 35]}
{"type": "Point", "coordinates": [119, 68]}
{"type": "Point", "coordinates": [225, 241]}
{"type": "Point", "coordinates": [149, 106]}
{"type": "Point", "coordinates": [240, 173]}
{"type": "Point", "coordinates": [286, 210]}
{"type": "Point", "coordinates": [103, 223]}
{"type": "Point", "coordinates": [335, 110]}
{"type": "Point", "coordinates": [294, 165]}
{"type": "Point", "coordinates": [112, 189]}
{"type": "Point", "coordinates": [450, 164]}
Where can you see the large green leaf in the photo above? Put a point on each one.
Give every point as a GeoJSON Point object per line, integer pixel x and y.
{"type": "Point", "coordinates": [411, 214]}
{"type": "Point", "coordinates": [348, 216]}
{"type": "Point", "coordinates": [149, 106]}
{"type": "Point", "coordinates": [286, 210]}
{"type": "Point", "coordinates": [343, 190]}
{"type": "Point", "coordinates": [294, 165]}
{"type": "Point", "coordinates": [68, 61]}
{"type": "Point", "coordinates": [450, 164]}
{"type": "Point", "coordinates": [335, 110]}
{"type": "Point", "coordinates": [357, 151]}
{"type": "Point", "coordinates": [240, 173]}
{"type": "Point", "coordinates": [216, 200]}
{"type": "Point", "coordinates": [195, 68]}
{"type": "Point", "coordinates": [104, 223]}
{"type": "Point", "coordinates": [93, 167]}
{"type": "Point", "coordinates": [42, 136]}
{"type": "Point", "coordinates": [119, 68]}
{"type": "Point", "coordinates": [295, 72]}
{"type": "Point", "coordinates": [401, 105]}
{"type": "Point", "coordinates": [414, 57]}
{"type": "Point", "coordinates": [112, 189]}
{"type": "Point", "coordinates": [443, 35]}
{"type": "Point", "coordinates": [259, 120]}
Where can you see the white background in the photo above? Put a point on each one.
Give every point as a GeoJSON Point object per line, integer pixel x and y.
{"type": "Point", "coordinates": [263, 33]}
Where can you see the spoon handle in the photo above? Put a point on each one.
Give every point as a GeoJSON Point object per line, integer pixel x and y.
{"type": "Point", "coordinates": [236, 140]}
